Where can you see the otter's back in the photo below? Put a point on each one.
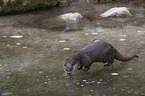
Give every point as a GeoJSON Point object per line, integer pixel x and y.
{"type": "Point", "coordinates": [98, 51]}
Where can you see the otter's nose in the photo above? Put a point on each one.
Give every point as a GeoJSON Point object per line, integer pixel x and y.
{"type": "Point", "coordinates": [69, 73]}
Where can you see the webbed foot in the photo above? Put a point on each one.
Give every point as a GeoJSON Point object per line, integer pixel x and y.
{"type": "Point", "coordinates": [108, 64]}
{"type": "Point", "coordinates": [80, 67]}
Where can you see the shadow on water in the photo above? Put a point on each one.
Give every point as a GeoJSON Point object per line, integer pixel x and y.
{"type": "Point", "coordinates": [34, 48]}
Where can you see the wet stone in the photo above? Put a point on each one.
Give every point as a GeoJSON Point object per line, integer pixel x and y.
{"type": "Point", "coordinates": [18, 43]}
{"type": "Point", "coordinates": [114, 74]}
{"type": "Point", "coordinates": [126, 76]}
{"type": "Point", "coordinates": [62, 41]}
{"type": "Point", "coordinates": [122, 39]}
{"type": "Point", "coordinates": [86, 33]}
{"type": "Point", "coordinates": [140, 31]}
{"type": "Point", "coordinates": [101, 80]}
{"type": "Point", "coordinates": [17, 36]}
{"type": "Point", "coordinates": [54, 78]}
{"type": "Point", "coordinates": [78, 83]}
{"type": "Point", "coordinates": [87, 82]}
{"type": "Point", "coordinates": [93, 81]}
{"type": "Point", "coordinates": [40, 71]}
{"type": "Point", "coordinates": [123, 35]}
{"type": "Point", "coordinates": [66, 48]}
{"type": "Point", "coordinates": [82, 85]}
{"type": "Point", "coordinates": [94, 33]}
{"type": "Point", "coordinates": [98, 82]}
{"type": "Point", "coordinates": [84, 80]}
{"type": "Point", "coordinates": [24, 47]}
{"type": "Point", "coordinates": [7, 93]}
{"type": "Point", "coordinates": [8, 45]}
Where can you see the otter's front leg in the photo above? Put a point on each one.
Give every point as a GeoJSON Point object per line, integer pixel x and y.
{"type": "Point", "coordinates": [108, 64]}
{"type": "Point", "coordinates": [86, 68]}
{"type": "Point", "coordinates": [80, 67]}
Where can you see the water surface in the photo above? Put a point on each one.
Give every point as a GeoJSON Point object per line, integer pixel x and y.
{"type": "Point", "coordinates": [34, 47]}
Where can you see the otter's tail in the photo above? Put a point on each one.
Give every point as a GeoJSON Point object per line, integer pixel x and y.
{"type": "Point", "coordinates": [119, 57]}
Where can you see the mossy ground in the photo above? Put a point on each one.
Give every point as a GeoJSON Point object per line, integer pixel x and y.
{"type": "Point", "coordinates": [24, 5]}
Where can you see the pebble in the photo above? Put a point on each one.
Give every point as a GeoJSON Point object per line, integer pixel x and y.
{"type": "Point", "coordinates": [62, 41]}
{"type": "Point", "coordinates": [18, 43]}
{"type": "Point", "coordinates": [7, 93]}
{"type": "Point", "coordinates": [123, 35]}
{"type": "Point", "coordinates": [24, 47]}
{"type": "Point", "coordinates": [86, 33]}
{"type": "Point", "coordinates": [66, 48]}
{"type": "Point", "coordinates": [40, 71]}
{"type": "Point", "coordinates": [122, 39]}
{"type": "Point", "coordinates": [16, 36]}
{"type": "Point", "coordinates": [98, 82]}
{"type": "Point", "coordinates": [82, 85]}
{"type": "Point", "coordinates": [94, 33]}
{"type": "Point", "coordinates": [87, 82]}
{"type": "Point", "coordinates": [114, 73]}
{"type": "Point", "coordinates": [140, 31]}
{"type": "Point", "coordinates": [84, 80]}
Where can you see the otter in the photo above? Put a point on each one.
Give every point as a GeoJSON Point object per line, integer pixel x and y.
{"type": "Point", "coordinates": [98, 51]}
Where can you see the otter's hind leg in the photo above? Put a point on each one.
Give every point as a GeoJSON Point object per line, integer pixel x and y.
{"type": "Point", "coordinates": [110, 62]}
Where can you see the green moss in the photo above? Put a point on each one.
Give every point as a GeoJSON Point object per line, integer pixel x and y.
{"type": "Point", "coordinates": [23, 5]}
{"type": "Point", "coordinates": [1, 2]}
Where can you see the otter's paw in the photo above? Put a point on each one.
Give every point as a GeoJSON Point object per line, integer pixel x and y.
{"type": "Point", "coordinates": [108, 64]}
{"type": "Point", "coordinates": [85, 70]}
{"type": "Point", "coordinates": [80, 67]}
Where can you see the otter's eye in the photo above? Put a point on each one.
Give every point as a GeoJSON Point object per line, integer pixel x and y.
{"type": "Point", "coordinates": [73, 64]}
{"type": "Point", "coordinates": [64, 64]}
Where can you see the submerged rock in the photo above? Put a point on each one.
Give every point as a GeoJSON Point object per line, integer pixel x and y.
{"type": "Point", "coordinates": [117, 12]}
{"type": "Point", "coordinates": [71, 17]}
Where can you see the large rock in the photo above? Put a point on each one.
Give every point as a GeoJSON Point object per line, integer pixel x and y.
{"type": "Point", "coordinates": [71, 17]}
{"type": "Point", "coordinates": [12, 6]}
{"type": "Point", "coordinates": [117, 12]}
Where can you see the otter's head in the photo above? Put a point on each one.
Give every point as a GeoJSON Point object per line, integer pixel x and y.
{"type": "Point", "coordinates": [69, 66]}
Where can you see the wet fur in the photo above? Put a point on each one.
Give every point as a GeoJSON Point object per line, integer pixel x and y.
{"type": "Point", "coordinates": [99, 51]}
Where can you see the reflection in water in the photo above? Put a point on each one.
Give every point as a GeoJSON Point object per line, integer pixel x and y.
{"type": "Point", "coordinates": [31, 62]}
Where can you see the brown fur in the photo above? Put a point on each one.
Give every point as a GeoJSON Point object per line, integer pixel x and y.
{"type": "Point", "coordinates": [99, 51]}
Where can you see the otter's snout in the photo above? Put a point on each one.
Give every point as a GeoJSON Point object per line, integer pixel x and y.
{"type": "Point", "coordinates": [69, 73]}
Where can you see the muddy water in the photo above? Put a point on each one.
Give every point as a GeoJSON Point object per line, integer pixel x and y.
{"type": "Point", "coordinates": [34, 47]}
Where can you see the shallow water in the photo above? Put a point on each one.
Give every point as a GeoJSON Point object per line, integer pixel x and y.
{"type": "Point", "coordinates": [34, 47]}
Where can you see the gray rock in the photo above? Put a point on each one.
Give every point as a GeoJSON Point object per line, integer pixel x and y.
{"type": "Point", "coordinates": [117, 12]}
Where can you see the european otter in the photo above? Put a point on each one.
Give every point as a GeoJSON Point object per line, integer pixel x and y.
{"type": "Point", "coordinates": [98, 51]}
